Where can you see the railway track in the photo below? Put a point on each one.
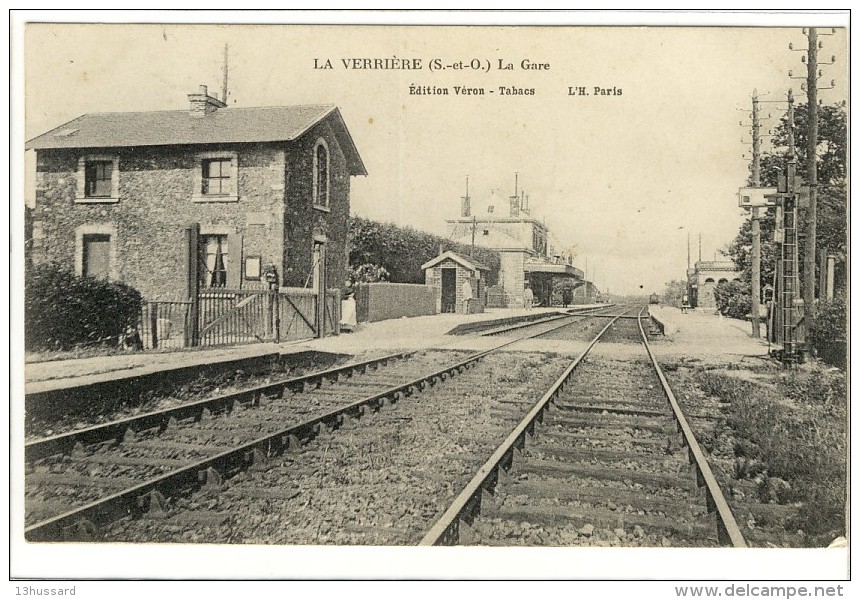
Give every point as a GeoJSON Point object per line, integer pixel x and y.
{"type": "Point", "coordinates": [235, 452]}
{"type": "Point", "coordinates": [605, 457]}
{"type": "Point", "coordinates": [79, 482]}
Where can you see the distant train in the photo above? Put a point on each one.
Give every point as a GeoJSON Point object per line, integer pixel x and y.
{"type": "Point", "coordinates": [654, 299]}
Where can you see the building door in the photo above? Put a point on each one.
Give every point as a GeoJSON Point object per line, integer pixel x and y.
{"type": "Point", "coordinates": [449, 290]}
{"type": "Point", "coordinates": [320, 286]}
{"type": "Point", "coordinates": [96, 255]}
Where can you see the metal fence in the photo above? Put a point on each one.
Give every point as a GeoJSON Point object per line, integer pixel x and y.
{"type": "Point", "coordinates": [226, 317]}
{"type": "Point", "coordinates": [237, 317]}
{"type": "Point", "coordinates": [165, 325]}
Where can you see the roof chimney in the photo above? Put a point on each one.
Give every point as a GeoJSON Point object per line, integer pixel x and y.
{"type": "Point", "coordinates": [202, 103]}
{"type": "Point", "coordinates": [515, 206]}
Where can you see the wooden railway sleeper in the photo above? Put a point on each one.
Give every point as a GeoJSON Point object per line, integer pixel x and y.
{"type": "Point", "coordinates": [153, 503]}
{"type": "Point", "coordinates": [210, 480]}
{"type": "Point", "coordinates": [83, 530]}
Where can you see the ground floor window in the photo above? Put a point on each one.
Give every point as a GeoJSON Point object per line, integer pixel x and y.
{"type": "Point", "coordinates": [96, 255]}
{"type": "Point", "coordinates": [214, 260]}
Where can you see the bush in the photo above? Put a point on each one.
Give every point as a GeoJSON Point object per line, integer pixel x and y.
{"type": "Point", "coordinates": [733, 299]}
{"type": "Point", "coordinates": [62, 310]}
{"type": "Point", "coordinates": [402, 250]}
{"type": "Point", "coordinates": [368, 273]}
{"type": "Point", "coordinates": [830, 322]}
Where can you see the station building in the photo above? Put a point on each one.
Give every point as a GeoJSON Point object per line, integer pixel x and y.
{"type": "Point", "coordinates": [506, 226]}
{"type": "Point", "coordinates": [704, 277]}
{"type": "Point", "coordinates": [206, 197]}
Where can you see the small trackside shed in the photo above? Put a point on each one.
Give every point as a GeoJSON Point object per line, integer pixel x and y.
{"type": "Point", "coordinates": [460, 283]}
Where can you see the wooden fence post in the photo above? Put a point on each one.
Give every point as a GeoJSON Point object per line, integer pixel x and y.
{"type": "Point", "coordinates": [192, 238]}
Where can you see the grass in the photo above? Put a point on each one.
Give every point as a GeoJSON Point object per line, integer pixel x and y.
{"type": "Point", "coordinates": [791, 437]}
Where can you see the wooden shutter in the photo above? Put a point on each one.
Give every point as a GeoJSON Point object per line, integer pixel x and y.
{"type": "Point", "coordinates": [234, 263]}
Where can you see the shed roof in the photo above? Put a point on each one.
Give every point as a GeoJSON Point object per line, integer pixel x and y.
{"type": "Point", "coordinates": [181, 127]}
{"type": "Point", "coordinates": [469, 263]}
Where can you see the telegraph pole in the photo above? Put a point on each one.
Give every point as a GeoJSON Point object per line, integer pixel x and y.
{"type": "Point", "coordinates": [812, 176]}
{"type": "Point", "coordinates": [754, 217]}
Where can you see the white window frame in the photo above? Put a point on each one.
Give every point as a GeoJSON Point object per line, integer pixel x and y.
{"type": "Point", "coordinates": [81, 177]}
{"type": "Point", "coordinates": [198, 195]}
{"type": "Point", "coordinates": [96, 229]}
{"type": "Point", "coordinates": [326, 204]}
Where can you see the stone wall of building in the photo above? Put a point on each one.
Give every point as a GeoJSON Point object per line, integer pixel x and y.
{"type": "Point", "coordinates": [157, 201]}
{"type": "Point", "coordinates": [303, 220]}
{"type": "Point", "coordinates": [272, 216]}
{"type": "Point", "coordinates": [706, 279]}
{"type": "Point", "coordinates": [433, 278]}
{"type": "Point", "coordinates": [512, 276]}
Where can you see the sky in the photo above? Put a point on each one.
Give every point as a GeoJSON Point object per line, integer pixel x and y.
{"type": "Point", "coordinates": [621, 180]}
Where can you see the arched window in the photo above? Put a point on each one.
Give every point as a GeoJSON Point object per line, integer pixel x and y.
{"type": "Point", "coordinates": [723, 280]}
{"type": "Point", "coordinates": [321, 174]}
{"type": "Point", "coordinates": [709, 280]}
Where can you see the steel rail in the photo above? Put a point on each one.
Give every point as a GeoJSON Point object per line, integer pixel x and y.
{"type": "Point", "coordinates": [116, 430]}
{"type": "Point", "coordinates": [728, 531]}
{"type": "Point", "coordinates": [81, 523]}
{"type": "Point", "coordinates": [579, 316]}
{"type": "Point", "coordinates": [468, 503]}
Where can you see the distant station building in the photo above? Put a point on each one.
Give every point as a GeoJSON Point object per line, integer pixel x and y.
{"type": "Point", "coordinates": [206, 197]}
{"type": "Point", "coordinates": [506, 226]}
{"type": "Point", "coordinates": [704, 277]}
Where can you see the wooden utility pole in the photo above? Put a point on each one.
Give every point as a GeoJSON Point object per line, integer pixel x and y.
{"type": "Point", "coordinates": [811, 177]}
{"type": "Point", "coordinates": [754, 217]}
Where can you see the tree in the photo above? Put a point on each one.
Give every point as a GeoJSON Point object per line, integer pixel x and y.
{"type": "Point", "coordinates": [832, 190]}
{"type": "Point", "coordinates": [673, 293]}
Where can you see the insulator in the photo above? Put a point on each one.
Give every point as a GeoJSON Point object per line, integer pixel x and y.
{"type": "Point", "coordinates": [820, 72]}
{"type": "Point", "coordinates": [832, 83]}
{"type": "Point", "coordinates": [833, 58]}
{"type": "Point", "coordinates": [791, 46]}
{"type": "Point", "coordinates": [803, 59]}
{"type": "Point", "coordinates": [820, 44]}
{"type": "Point", "coordinates": [805, 31]}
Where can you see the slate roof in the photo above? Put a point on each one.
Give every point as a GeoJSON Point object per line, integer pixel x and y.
{"type": "Point", "coordinates": [469, 263]}
{"type": "Point", "coordinates": [180, 127]}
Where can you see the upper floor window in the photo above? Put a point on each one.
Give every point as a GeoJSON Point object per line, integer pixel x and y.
{"type": "Point", "coordinates": [321, 175]}
{"type": "Point", "coordinates": [216, 177]}
{"type": "Point", "coordinates": [97, 179]}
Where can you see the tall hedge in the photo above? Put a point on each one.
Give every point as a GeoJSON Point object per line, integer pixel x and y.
{"type": "Point", "coordinates": [402, 250]}
{"type": "Point", "coordinates": [63, 310]}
